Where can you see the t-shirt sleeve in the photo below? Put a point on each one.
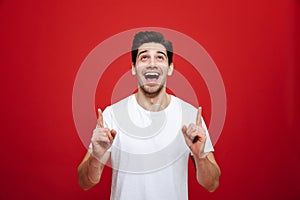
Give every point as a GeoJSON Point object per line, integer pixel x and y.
{"type": "Point", "coordinates": [208, 144]}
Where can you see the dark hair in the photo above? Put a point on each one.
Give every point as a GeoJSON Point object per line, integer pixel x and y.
{"type": "Point", "coordinates": [150, 36]}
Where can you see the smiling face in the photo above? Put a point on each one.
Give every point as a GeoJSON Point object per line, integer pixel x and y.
{"type": "Point", "coordinates": [151, 68]}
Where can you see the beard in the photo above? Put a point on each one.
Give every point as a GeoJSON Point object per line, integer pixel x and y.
{"type": "Point", "coordinates": [151, 93]}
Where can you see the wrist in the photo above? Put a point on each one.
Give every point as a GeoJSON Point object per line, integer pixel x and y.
{"type": "Point", "coordinates": [97, 156]}
{"type": "Point", "coordinates": [202, 156]}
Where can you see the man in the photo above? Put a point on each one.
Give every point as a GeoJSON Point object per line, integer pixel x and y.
{"type": "Point", "coordinates": [149, 136]}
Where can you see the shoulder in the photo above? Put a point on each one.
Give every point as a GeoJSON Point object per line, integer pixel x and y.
{"type": "Point", "coordinates": [185, 105]}
{"type": "Point", "coordinates": [117, 107]}
{"type": "Point", "coordinates": [188, 111]}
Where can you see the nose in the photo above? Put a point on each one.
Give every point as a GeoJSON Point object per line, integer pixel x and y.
{"type": "Point", "coordinates": [152, 62]}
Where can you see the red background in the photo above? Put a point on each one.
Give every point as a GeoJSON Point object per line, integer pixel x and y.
{"type": "Point", "coordinates": [255, 45]}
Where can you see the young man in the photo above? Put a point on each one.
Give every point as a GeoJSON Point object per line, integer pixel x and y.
{"type": "Point", "coordinates": [149, 136]}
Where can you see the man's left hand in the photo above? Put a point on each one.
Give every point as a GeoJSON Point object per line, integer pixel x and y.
{"type": "Point", "coordinates": [195, 136]}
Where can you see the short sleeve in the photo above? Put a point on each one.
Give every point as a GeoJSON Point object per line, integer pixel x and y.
{"type": "Point", "coordinates": [208, 144]}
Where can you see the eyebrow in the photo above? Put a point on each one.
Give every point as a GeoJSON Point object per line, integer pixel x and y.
{"type": "Point", "coordinates": [161, 52]}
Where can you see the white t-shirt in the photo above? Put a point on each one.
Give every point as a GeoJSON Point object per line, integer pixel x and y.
{"type": "Point", "coordinates": [149, 155]}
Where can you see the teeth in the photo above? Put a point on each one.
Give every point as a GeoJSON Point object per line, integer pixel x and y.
{"type": "Point", "coordinates": [151, 75]}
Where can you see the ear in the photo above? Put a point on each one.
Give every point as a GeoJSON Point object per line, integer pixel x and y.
{"type": "Point", "coordinates": [170, 70]}
{"type": "Point", "coordinates": [133, 72]}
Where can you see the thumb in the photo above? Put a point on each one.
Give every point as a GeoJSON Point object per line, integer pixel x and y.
{"type": "Point", "coordinates": [184, 128]}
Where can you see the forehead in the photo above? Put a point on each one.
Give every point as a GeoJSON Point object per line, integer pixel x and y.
{"type": "Point", "coordinates": [152, 46]}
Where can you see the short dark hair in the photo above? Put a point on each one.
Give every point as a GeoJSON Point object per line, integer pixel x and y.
{"type": "Point", "coordinates": [150, 36]}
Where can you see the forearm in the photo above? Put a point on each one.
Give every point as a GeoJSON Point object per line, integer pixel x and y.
{"type": "Point", "coordinates": [208, 172]}
{"type": "Point", "coordinates": [89, 172]}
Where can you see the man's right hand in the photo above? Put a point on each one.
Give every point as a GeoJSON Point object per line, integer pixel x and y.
{"type": "Point", "coordinates": [102, 138]}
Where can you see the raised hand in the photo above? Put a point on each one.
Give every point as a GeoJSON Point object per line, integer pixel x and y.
{"type": "Point", "coordinates": [102, 137]}
{"type": "Point", "coordinates": [195, 136]}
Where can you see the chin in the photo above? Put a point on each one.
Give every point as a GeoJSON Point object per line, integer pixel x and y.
{"type": "Point", "coordinates": [152, 92]}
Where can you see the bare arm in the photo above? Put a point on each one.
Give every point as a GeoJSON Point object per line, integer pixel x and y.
{"type": "Point", "coordinates": [208, 172]}
{"type": "Point", "coordinates": [92, 165]}
{"type": "Point", "coordinates": [207, 169]}
{"type": "Point", "coordinates": [90, 170]}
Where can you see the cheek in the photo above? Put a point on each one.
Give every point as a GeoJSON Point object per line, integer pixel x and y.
{"type": "Point", "coordinates": [139, 71]}
{"type": "Point", "coordinates": [140, 66]}
{"type": "Point", "coordinates": [165, 69]}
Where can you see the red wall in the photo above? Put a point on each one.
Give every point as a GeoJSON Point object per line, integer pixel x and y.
{"type": "Point", "coordinates": [255, 45]}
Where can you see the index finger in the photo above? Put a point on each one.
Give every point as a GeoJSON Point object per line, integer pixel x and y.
{"type": "Point", "coordinates": [199, 117]}
{"type": "Point", "coordinates": [100, 119]}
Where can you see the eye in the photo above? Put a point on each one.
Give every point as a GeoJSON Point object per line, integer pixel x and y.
{"type": "Point", "coordinates": [143, 57]}
{"type": "Point", "coordinates": [160, 57]}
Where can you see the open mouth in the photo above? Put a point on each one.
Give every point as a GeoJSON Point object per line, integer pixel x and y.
{"type": "Point", "coordinates": [151, 75]}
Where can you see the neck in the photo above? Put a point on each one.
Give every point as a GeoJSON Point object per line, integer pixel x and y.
{"type": "Point", "coordinates": [153, 103]}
